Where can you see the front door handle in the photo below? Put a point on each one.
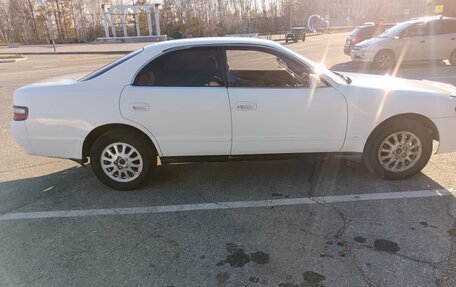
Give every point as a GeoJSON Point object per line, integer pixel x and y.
{"type": "Point", "coordinates": [139, 107]}
{"type": "Point", "coordinates": [423, 41]}
{"type": "Point", "coordinates": [246, 106]}
{"type": "Point", "coordinates": [452, 39]}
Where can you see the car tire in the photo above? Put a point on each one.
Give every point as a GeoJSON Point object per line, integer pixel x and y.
{"type": "Point", "coordinates": [398, 150]}
{"type": "Point", "coordinates": [452, 58]}
{"type": "Point", "coordinates": [295, 40]}
{"type": "Point", "coordinates": [122, 159]}
{"type": "Point", "coordinates": [384, 60]}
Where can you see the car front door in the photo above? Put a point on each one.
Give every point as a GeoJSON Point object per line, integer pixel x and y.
{"type": "Point", "coordinates": [435, 45]}
{"type": "Point", "coordinates": [412, 43]}
{"type": "Point", "coordinates": [275, 111]}
{"type": "Point", "coordinates": [182, 100]}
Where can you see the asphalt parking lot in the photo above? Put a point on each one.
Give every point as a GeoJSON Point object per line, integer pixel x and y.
{"type": "Point", "coordinates": [313, 221]}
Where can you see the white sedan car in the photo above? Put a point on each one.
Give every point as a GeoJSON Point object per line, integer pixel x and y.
{"type": "Point", "coordinates": [229, 98]}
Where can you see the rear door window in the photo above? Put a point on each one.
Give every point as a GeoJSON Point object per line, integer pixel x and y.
{"type": "Point", "coordinates": [193, 67]}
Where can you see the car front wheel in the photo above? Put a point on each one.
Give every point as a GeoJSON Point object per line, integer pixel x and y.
{"type": "Point", "coordinates": [122, 159]}
{"type": "Point", "coordinates": [384, 60]}
{"type": "Point", "coordinates": [398, 151]}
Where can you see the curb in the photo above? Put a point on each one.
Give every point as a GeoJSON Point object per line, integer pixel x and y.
{"type": "Point", "coordinates": [12, 60]}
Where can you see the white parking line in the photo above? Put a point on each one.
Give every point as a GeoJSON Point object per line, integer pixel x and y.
{"type": "Point", "coordinates": [228, 205]}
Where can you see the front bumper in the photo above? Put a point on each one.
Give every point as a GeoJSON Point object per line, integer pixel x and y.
{"type": "Point", "coordinates": [446, 128]}
{"type": "Point", "coordinates": [358, 55]}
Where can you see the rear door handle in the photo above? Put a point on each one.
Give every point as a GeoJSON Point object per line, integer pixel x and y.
{"type": "Point", "coordinates": [423, 41]}
{"type": "Point", "coordinates": [452, 39]}
{"type": "Point", "coordinates": [139, 107]}
{"type": "Point", "coordinates": [246, 106]}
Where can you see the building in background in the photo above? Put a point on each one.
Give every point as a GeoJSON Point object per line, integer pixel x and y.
{"type": "Point", "coordinates": [355, 12]}
{"type": "Point", "coordinates": [449, 8]}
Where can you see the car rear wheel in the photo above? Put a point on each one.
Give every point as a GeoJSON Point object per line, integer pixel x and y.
{"type": "Point", "coordinates": [452, 58]}
{"type": "Point", "coordinates": [398, 150]}
{"type": "Point", "coordinates": [384, 60]}
{"type": "Point", "coordinates": [122, 159]}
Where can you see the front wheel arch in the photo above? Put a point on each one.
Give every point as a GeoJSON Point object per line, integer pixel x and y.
{"type": "Point", "coordinates": [414, 125]}
{"type": "Point", "coordinates": [420, 119]}
{"type": "Point", "coordinates": [389, 51]}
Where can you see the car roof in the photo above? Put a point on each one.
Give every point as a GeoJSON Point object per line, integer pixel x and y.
{"type": "Point", "coordinates": [212, 41]}
{"type": "Point", "coordinates": [430, 18]}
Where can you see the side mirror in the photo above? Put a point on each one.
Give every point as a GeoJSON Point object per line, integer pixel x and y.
{"type": "Point", "coordinates": [314, 81]}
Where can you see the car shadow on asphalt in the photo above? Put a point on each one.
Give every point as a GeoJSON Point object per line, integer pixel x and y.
{"type": "Point", "coordinates": [309, 176]}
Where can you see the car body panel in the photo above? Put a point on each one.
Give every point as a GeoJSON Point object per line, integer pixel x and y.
{"type": "Point", "coordinates": [284, 120]}
{"type": "Point", "coordinates": [195, 120]}
{"type": "Point", "coordinates": [63, 113]}
{"type": "Point", "coordinates": [373, 99]}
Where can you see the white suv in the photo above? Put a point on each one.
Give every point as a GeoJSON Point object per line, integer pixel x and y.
{"type": "Point", "coordinates": [414, 40]}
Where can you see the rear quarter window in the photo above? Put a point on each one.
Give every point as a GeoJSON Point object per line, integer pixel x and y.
{"type": "Point", "coordinates": [110, 66]}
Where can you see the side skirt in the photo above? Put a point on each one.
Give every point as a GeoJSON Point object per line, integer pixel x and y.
{"type": "Point", "coordinates": [258, 157]}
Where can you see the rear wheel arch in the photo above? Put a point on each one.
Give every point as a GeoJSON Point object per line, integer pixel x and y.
{"type": "Point", "coordinates": [98, 131]}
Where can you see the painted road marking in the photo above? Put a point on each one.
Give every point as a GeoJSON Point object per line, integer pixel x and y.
{"type": "Point", "coordinates": [228, 205]}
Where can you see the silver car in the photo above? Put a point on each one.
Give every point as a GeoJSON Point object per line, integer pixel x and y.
{"type": "Point", "coordinates": [414, 40]}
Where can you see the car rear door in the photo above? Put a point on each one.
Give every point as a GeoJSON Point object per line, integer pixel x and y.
{"type": "Point", "coordinates": [181, 98]}
{"type": "Point", "coordinates": [275, 111]}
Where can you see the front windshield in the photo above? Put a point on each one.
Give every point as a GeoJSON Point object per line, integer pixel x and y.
{"type": "Point", "coordinates": [395, 30]}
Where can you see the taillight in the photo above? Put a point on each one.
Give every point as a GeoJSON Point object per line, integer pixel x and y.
{"type": "Point", "coordinates": [20, 113]}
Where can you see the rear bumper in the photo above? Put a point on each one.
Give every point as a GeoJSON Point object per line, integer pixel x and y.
{"type": "Point", "coordinates": [47, 146]}
{"type": "Point", "coordinates": [446, 128]}
{"type": "Point", "coordinates": [19, 132]}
